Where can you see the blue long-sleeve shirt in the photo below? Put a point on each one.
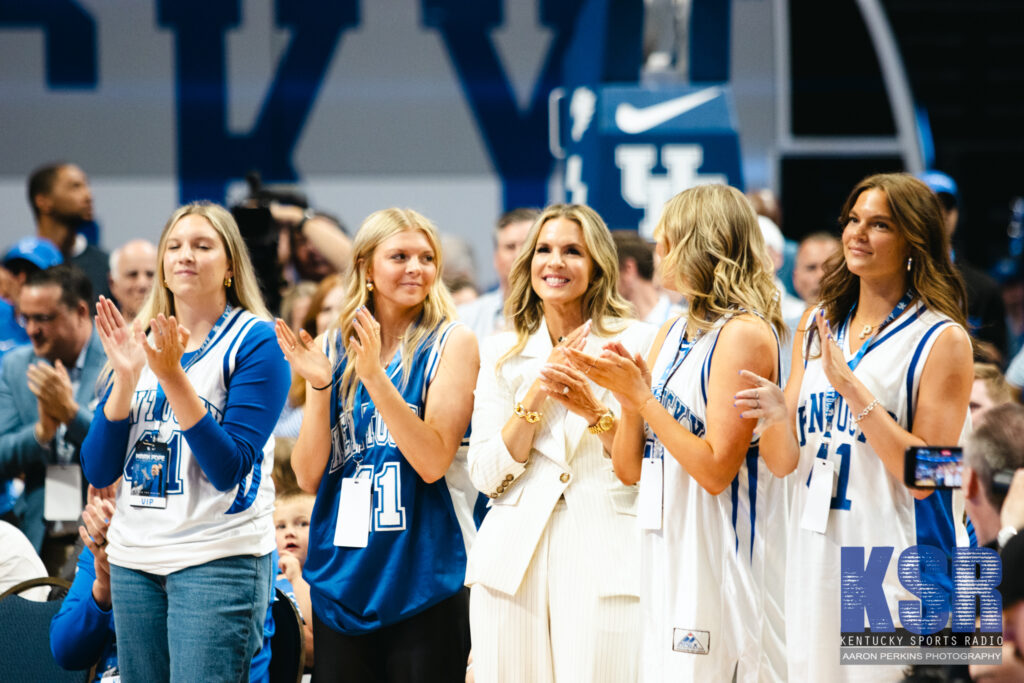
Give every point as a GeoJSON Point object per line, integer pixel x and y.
{"type": "Point", "coordinates": [226, 451]}
{"type": "Point", "coordinates": [82, 632]}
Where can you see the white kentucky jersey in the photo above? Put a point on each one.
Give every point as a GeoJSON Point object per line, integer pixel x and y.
{"type": "Point", "coordinates": [869, 506]}
{"type": "Point", "coordinates": [199, 523]}
{"type": "Point", "coordinates": [704, 607]}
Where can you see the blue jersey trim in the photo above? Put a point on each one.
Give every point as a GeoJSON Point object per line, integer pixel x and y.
{"type": "Point", "coordinates": [244, 499]}
{"type": "Point", "coordinates": [972, 534]}
{"type": "Point", "coordinates": [913, 369]}
{"type": "Point", "coordinates": [227, 353]}
{"type": "Point", "coordinates": [753, 454]}
{"type": "Point", "coordinates": [933, 521]}
{"type": "Point", "coordinates": [705, 373]}
{"type": "Point", "coordinates": [735, 497]}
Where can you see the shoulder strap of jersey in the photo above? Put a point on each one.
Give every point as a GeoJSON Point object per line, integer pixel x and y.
{"type": "Point", "coordinates": [924, 346]}
{"type": "Point", "coordinates": [434, 360]}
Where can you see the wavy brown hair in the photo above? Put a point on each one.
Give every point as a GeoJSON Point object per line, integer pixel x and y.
{"type": "Point", "coordinates": [917, 218]}
{"type": "Point", "coordinates": [716, 257]}
{"type": "Point", "coordinates": [601, 303]}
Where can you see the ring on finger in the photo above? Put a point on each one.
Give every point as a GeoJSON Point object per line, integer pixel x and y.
{"type": "Point", "coordinates": [758, 406]}
{"type": "Point", "coordinates": [565, 389]}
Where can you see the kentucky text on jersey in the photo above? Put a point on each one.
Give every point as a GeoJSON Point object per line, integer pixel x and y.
{"type": "Point", "coordinates": [347, 446]}
{"type": "Point", "coordinates": [680, 411]}
{"type": "Point", "coordinates": [811, 418]}
{"type": "Point", "coordinates": [145, 404]}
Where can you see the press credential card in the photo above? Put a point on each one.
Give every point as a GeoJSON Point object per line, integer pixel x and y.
{"type": "Point", "coordinates": [819, 497]}
{"type": "Point", "coordinates": [62, 500]}
{"type": "Point", "coordinates": [354, 503]}
{"type": "Point", "coordinates": [652, 488]}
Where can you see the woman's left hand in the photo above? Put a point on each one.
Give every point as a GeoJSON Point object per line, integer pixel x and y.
{"type": "Point", "coordinates": [570, 387]}
{"type": "Point", "coordinates": [833, 361]}
{"type": "Point", "coordinates": [169, 340]}
{"type": "Point", "coordinates": [625, 376]}
{"type": "Point", "coordinates": [365, 346]}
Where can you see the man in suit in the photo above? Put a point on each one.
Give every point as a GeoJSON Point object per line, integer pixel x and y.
{"type": "Point", "coordinates": [47, 395]}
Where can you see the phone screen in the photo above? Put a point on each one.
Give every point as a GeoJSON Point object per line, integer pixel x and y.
{"type": "Point", "coordinates": [933, 468]}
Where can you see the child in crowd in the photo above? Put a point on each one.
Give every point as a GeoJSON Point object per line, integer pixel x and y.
{"type": "Point", "coordinates": [292, 511]}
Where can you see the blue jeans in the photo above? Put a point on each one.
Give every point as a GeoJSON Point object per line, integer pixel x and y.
{"type": "Point", "coordinates": [203, 623]}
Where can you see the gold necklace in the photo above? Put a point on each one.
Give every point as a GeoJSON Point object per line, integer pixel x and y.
{"type": "Point", "coordinates": [866, 331]}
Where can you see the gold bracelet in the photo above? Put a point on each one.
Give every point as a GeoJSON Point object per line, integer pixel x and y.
{"type": "Point", "coordinates": [530, 416]}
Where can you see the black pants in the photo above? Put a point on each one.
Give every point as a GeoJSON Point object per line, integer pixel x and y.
{"type": "Point", "coordinates": [430, 647]}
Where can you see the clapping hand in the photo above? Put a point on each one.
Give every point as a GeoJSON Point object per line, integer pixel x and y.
{"type": "Point", "coordinates": [120, 342]}
{"type": "Point", "coordinates": [52, 387]}
{"type": "Point", "coordinates": [570, 387]}
{"type": "Point", "coordinates": [96, 517]}
{"type": "Point", "coordinates": [624, 374]}
{"type": "Point", "coordinates": [833, 362]}
{"type": "Point", "coordinates": [365, 345]}
{"type": "Point", "coordinates": [303, 354]}
{"type": "Point", "coordinates": [576, 339]}
{"type": "Point", "coordinates": [169, 341]}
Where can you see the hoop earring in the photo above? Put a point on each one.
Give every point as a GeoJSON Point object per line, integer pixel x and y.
{"type": "Point", "coordinates": [227, 281]}
{"type": "Point", "coordinates": [910, 261]}
{"type": "Point", "coordinates": [369, 286]}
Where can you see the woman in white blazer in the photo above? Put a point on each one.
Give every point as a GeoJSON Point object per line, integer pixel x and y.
{"type": "Point", "coordinates": [554, 570]}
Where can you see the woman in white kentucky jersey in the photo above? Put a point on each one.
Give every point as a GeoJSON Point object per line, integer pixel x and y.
{"type": "Point", "coordinates": [706, 498]}
{"type": "Point", "coordinates": [382, 427]}
{"type": "Point", "coordinates": [186, 419]}
{"type": "Point", "coordinates": [883, 364]}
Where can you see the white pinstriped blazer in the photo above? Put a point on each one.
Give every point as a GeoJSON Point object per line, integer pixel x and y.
{"type": "Point", "coordinates": [565, 460]}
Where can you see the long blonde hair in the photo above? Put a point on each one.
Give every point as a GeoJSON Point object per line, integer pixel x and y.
{"type": "Point", "coordinates": [602, 303]}
{"type": "Point", "coordinates": [438, 307]}
{"type": "Point", "coordinates": [244, 291]}
{"type": "Point", "coordinates": [716, 256]}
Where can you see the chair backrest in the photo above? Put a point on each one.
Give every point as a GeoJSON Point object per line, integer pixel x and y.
{"type": "Point", "coordinates": [25, 636]}
{"type": "Point", "coordinates": [288, 644]}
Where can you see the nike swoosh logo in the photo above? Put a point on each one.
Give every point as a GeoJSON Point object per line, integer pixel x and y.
{"type": "Point", "coordinates": [631, 120]}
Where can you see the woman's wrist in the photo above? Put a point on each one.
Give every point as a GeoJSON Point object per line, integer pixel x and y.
{"type": "Point", "coordinates": [535, 397]}
{"type": "Point", "coordinates": [643, 403]}
{"type": "Point", "coordinates": [101, 595]}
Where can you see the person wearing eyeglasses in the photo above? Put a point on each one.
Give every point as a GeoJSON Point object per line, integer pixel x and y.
{"type": "Point", "coordinates": [47, 394]}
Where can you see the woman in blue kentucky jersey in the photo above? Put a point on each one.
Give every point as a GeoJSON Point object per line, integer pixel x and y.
{"type": "Point", "coordinates": [196, 400]}
{"type": "Point", "coordinates": [882, 364]}
{"type": "Point", "coordinates": [389, 398]}
{"type": "Point", "coordinates": [708, 504]}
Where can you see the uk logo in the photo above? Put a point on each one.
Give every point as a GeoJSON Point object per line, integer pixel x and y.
{"type": "Point", "coordinates": [644, 189]}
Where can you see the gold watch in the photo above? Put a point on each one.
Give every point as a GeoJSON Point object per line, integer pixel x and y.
{"type": "Point", "coordinates": [603, 424]}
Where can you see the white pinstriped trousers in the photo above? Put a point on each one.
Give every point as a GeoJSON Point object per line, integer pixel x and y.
{"type": "Point", "coordinates": [556, 627]}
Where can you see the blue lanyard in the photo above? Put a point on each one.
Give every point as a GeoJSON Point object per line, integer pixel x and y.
{"type": "Point", "coordinates": [158, 404]}
{"type": "Point", "coordinates": [685, 346]}
{"type": "Point", "coordinates": [830, 398]}
{"type": "Point", "coordinates": [209, 338]}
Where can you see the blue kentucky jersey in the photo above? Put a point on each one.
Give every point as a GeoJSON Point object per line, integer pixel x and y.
{"type": "Point", "coordinates": [415, 556]}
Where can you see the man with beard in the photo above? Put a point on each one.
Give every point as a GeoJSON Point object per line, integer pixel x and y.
{"type": "Point", "coordinates": [61, 201]}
